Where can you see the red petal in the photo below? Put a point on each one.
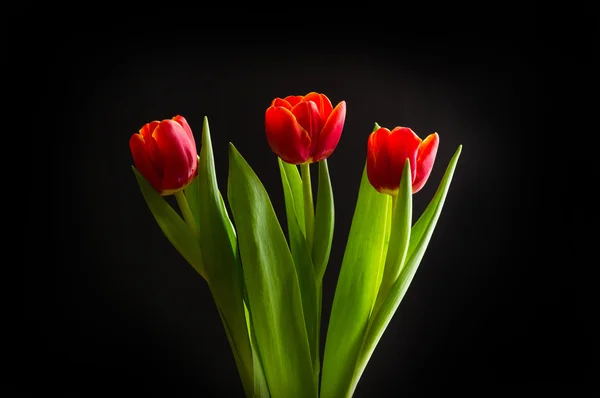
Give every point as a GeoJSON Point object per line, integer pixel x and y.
{"type": "Point", "coordinates": [402, 144]}
{"type": "Point", "coordinates": [373, 161]}
{"type": "Point", "coordinates": [293, 100]}
{"type": "Point", "coordinates": [141, 159]}
{"type": "Point", "coordinates": [186, 127]}
{"type": "Point", "coordinates": [379, 167]}
{"type": "Point", "coordinates": [330, 135]}
{"type": "Point", "coordinates": [307, 115]}
{"type": "Point", "coordinates": [179, 155]}
{"type": "Point", "coordinates": [281, 102]}
{"type": "Point", "coordinates": [425, 159]}
{"type": "Point", "coordinates": [285, 136]}
{"type": "Point", "coordinates": [323, 103]}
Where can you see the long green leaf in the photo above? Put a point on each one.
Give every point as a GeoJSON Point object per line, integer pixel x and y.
{"type": "Point", "coordinates": [383, 317]}
{"type": "Point", "coordinates": [261, 388]}
{"type": "Point", "coordinates": [356, 289]}
{"type": "Point", "coordinates": [191, 195]}
{"type": "Point", "coordinates": [399, 235]}
{"type": "Point", "coordinates": [272, 285]}
{"type": "Point", "coordinates": [295, 181]}
{"type": "Point", "coordinates": [420, 226]}
{"type": "Point", "coordinates": [304, 268]}
{"type": "Point", "coordinates": [172, 225]}
{"type": "Point", "coordinates": [222, 266]}
{"type": "Point", "coordinates": [324, 222]}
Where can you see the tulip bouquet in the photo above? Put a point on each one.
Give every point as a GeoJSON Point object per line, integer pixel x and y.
{"type": "Point", "coordinates": [267, 282]}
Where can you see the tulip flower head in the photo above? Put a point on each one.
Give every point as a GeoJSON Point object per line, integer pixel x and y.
{"type": "Point", "coordinates": [304, 129]}
{"type": "Point", "coordinates": [165, 154]}
{"type": "Point", "coordinates": [387, 152]}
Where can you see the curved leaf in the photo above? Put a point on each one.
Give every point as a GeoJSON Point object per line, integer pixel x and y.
{"type": "Point", "coordinates": [172, 225]}
{"type": "Point", "coordinates": [324, 222]}
{"type": "Point", "coordinates": [220, 260]}
{"type": "Point", "coordinates": [383, 317]}
{"type": "Point", "coordinates": [399, 235]}
{"type": "Point", "coordinates": [304, 268]}
{"type": "Point", "coordinates": [272, 285]}
{"type": "Point", "coordinates": [295, 182]}
{"type": "Point", "coordinates": [356, 289]}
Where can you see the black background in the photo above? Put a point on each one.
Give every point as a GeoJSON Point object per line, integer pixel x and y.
{"type": "Point", "coordinates": [111, 306]}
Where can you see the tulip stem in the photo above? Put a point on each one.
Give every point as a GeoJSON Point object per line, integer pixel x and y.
{"type": "Point", "coordinates": [185, 210]}
{"type": "Point", "coordinates": [394, 199]}
{"type": "Point", "coordinates": [309, 209]}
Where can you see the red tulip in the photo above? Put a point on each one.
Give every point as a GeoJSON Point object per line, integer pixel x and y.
{"type": "Point", "coordinates": [165, 154]}
{"type": "Point", "coordinates": [304, 129]}
{"type": "Point", "coordinates": [387, 152]}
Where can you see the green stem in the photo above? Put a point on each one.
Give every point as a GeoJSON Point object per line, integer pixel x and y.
{"type": "Point", "coordinates": [394, 199]}
{"type": "Point", "coordinates": [185, 210]}
{"type": "Point", "coordinates": [309, 209]}
{"type": "Point", "coordinates": [318, 336]}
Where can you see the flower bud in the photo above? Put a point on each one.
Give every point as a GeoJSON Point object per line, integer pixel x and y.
{"type": "Point", "coordinates": [387, 152]}
{"type": "Point", "coordinates": [165, 154]}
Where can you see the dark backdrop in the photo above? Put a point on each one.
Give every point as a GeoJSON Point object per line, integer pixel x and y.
{"type": "Point", "coordinates": [118, 309]}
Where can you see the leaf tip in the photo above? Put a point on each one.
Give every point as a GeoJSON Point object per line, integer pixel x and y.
{"type": "Point", "coordinates": [234, 154]}
{"type": "Point", "coordinates": [458, 150]}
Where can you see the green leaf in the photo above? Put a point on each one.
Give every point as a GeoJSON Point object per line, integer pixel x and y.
{"type": "Point", "coordinates": [222, 266]}
{"type": "Point", "coordinates": [272, 285]}
{"type": "Point", "coordinates": [295, 182]}
{"type": "Point", "coordinates": [229, 226]}
{"type": "Point", "coordinates": [191, 195]}
{"type": "Point", "coordinates": [418, 230]}
{"type": "Point", "coordinates": [382, 318]}
{"type": "Point", "coordinates": [261, 388]}
{"type": "Point", "coordinates": [172, 225]}
{"type": "Point", "coordinates": [399, 235]}
{"type": "Point", "coordinates": [324, 222]}
{"type": "Point", "coordinates": [304, 266]}
{"type": "Point", "coordinates": [356, 289]}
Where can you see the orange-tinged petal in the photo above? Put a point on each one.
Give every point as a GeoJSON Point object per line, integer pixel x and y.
{"type": "Point", "coordinates": [147, 130]}
{"type": "Point", "coordinates": [178, 151]}
{"type": "Point", "coordinates": [141, 159]}
{"type": "Point", "coordinates": [153, 152]}
{"type": "Point", "coordinates": [281, 102]}
{"type": "Point", "coordinates": [425, 158]}
{"type": "Point", "coordinates": [285, 136]}
{"type": "Point", "coordinates": [330, 134]}
{"type": "Point", "coordinates": [186, 127]}
{"type": "Point", "coordinates": [293, 100]}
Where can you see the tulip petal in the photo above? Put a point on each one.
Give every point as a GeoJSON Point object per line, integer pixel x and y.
{"type": "Point", "coordinates": [403, 143]}
{"type": "Point", "coordinates": [151, 148]}
{"type": "Point", "coordinates": [147, 130]}
{"type": "Point", "coordinates": [425, 158]}
{"type": "Point", "coordinates": [285, 136]}
{"type": "Point", "coordinates": [186, 127]}
{"type": "Point", "coordinates": [293, 100]}
{"type": "Point", "coordinates": [323, 103]}
{"type": "Point", "coordinates": [141, 159]}
{"type": "Point", "coordinates": [282, 102]}
{"type": "Point", "coordinates": [179, 155]}
{"type": "Point", "coordinates": [378, 162]}
{"type": "Point", "coordinates": [330, 134]}
{"type": "Point", "coordinates": [307, 115]}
